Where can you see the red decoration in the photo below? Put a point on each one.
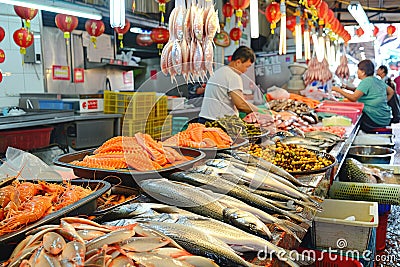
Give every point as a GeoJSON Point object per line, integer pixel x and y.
{"type": "Point", "coordinates": [26, 13]}
{"type": "Point", "coordinates": [143, 39]}
{"type": "Point", "coordinates": [1, 77]}
{"type": "Point", "coordinates": [160, 36]}
{"type": "Point", "coordinates": [2, 56]}
{"type": "Point", "coordinates": [161, 8]}
{"type": "Point", "coordinates": [245, 18]}
{"type": "Point", "coordinates": [375, 31]}
{"type": "Point", "coordinates": [67, 24]}
{"type": "Point", "coordinates": [335, 25]}
{"type": "Point", "coordinates": [122, 31]}
{"type": "Point", "coordinates": [390, 30]}
{"type": "Point", "coordinates": [23, 38]}
{"type": "Point", "coordinates": [273, 15]}
{"type": "Point", "coordinates": [314, 3]}
{"type": "Point", "coordinates": [2, 34]}
{"type": "Point", "coordinates": [291, 23]}
{"type": "Point", "coordinates": [235, 34]}
{"type": "Point", "coordinates": [359, 32]}
{"type": "Point", "coordinates": [323, 11]}
{"type": "Point", "coordinates": [227, 11]}
{"type": "Point", "coordinates": [330, 17]}
{"type": "Point", "coordinates": [95, 28]}
{"type": "Point", "coordinates": [239, 5]}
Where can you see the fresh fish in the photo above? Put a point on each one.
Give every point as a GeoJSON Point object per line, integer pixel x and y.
{"type": "Point", "coordinates": [155, 260]}
{"type": "Point", "coordinates": [354, 171]}
{"type": "Point", "coordinates": [216, 184]}
{"type": "Point", "coordinates": [327, 136]}
{"type": "Point", "coordinates": [190, 198]}
{"type": "Point", "coordinates": [302, 141]}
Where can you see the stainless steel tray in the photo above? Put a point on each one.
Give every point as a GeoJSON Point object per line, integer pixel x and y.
{"type": "Point", "coordinates": [124, 176]}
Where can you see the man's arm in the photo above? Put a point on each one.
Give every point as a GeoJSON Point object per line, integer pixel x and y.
{"type": "Point", "coordinates": [389, 92]}
{"type": "Point", "coordinates": [240, 103]}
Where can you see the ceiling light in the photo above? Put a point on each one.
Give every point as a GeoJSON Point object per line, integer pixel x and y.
{"type": "Point", "coordinates": [117, 13]}
{"type": "Point", "coordinates": [60, 7]}
{"type": "Point", "coordinates": [254, 25]}
{"type": "Point", "coordinates": [358, 13]}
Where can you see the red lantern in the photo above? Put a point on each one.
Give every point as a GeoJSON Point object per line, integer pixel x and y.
{"type": "Point", "coordinates": [376, 30]}
{"type": "Point", "coordinates": [235, 34]}
{"type": "Point", "coordinates": [314, 3]}
{"type": "Point", "coordinates": [144, 39]}
{"type": "Point", "coordinates": [335, 25]}
{"type": "Point", "coordinates": [227, 11]}
{"type": "Point", "coordinates": [390, 30]}
{"type": "Point", "coordinates": [161, 8]}
{"type": "Point", "coordinates": [160, 36]}
{"type": "Point", "coordinates": [122, 31]}
{"type": "Point", "coordinates": [95, 28]}
{"type": "Point", "coordinates": [359, 32]}
{"type": "Point", "coordinates": [26, 13]}
{"type": "Point", "coordinates": [273, 15]}
{"type": "Point", "coordinates": [239, 5]}
{"type": "Point", "coordinates": [290, 23]}
{"type": "Point", "coordinates": [2, 34]}
{"type": "Point", "coordinates": [67, 24]}
{"type": "Point", "coordinates": [330, 16]}
{"type": "Point", "coordinates": [323, 11]}
{"type": "Point", "coordinates": [2, 56]}
{"type": "Point", "coordinates": [23, 38]}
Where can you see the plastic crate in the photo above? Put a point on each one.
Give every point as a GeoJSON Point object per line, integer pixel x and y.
{"type": "Point", "coordinates": [25, 139]}
{"type": "Point", "coordinates": [325, 259]}
{"type": "Point", "coordinates": [55, 104]}
{"type": "Point", "coordinates": [130, 127]}
{"type": "Point", "coordinates": [351, 110]}
{"type": "Point", "coordinates": [381, 193]}
{"type": "Point", "coordinates": [136, 105]}
{"type": "Point", "coordinates": [161, 107]}
{"type": "Point", "coordinates": [332, 229]}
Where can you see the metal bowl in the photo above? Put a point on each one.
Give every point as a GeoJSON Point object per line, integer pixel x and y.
{"type": "Point", "coordinates": [372, 154]}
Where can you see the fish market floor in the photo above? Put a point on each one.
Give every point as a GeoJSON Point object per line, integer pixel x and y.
{"type": "Point", "coordinates": [393, 229]}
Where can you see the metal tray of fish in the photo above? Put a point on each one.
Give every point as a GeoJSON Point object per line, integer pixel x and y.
{"type": "Point", "coordinates": [117, 190]}
{"type": "Point", "coordinates": [325, 169]}
{"type": "Point", "coordinates": [83, 206]}
{"type": "Point", "coordinates": [125, 177]}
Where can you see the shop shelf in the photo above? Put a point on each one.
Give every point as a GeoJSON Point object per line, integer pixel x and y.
{"type": "Point", "coordinates": [25, 139]}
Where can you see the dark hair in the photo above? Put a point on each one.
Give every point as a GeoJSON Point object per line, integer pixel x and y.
{"type": "Point", "coordinates": [384, 68]}
{"type": "Point", "coordinates": [244, 53]}
{"type": "Point", "coordinates": [367, 66]}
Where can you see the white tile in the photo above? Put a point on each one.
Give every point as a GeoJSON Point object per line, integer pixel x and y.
{"type": "Point", "coordinates": [14, 84]}
{"type": "Point", "coordinates": [13, 62]}
{"type": "Point", "coordinates": [33, 84]}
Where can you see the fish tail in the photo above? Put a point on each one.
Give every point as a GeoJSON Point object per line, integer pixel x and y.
{"type": "Point", "coordinates": [282, 225]}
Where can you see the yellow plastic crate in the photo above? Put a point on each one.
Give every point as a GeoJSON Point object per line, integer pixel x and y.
{"type": "Point", "coordinates": [162, 128]}
{"type": "Point", "coordinates": [161, 108]}
{"type": "Point", "coordinates": [137, 105]}
{"type": "Point", "coordinates": [130, 127]}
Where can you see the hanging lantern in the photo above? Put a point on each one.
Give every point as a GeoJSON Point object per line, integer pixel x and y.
{"type": "Point", "coordinates": [144, 39]}
{"type": "Point", "coordinates": [359, 32]}
{"type": "Point", "coordinates": [245, 18]}
{"type": "Point", "coordinates": [330, 16]}
{"type": "Point", "coordinates": [1, 77]}
{"type": "Point", "coordinates": [375, 31]}
{"type": "Point", "coordinates": [2, 34]}
{"type": "Point", "coordinates": [95, 28]}
{"type": "Point", "coordinates": [335, 25]}
{"type": "Point", "coordinates": [2, 56]}
{"type": "Point", "coordinates": [239, 6]}
{"type": "Point", "coordinates": [235, 34]}
{"type": "Point", "coordinates": [322, 12]}
{"type": "Point", "coordinates": [227, 11]}
{"type": "Point", "coordinates": [122, 31]}
{"type": "Point", "coordinates": [26, 13]}
{"type": "Point", "coordinates": [23, 38]}
{"type": "Point", "coordinates": [314, 3]}
{"type": "Point", "coordinates": [160, 36]}
{"type": "Point", "coordinates": [161, 8]}
{"type": "Point", "coordinates": [66, 23]}
{"type": "Point", "coordinates": [390, 30]}
{"type": "Point", "coordinates": [291, 23]}
{"type": "Point", "coordinates": [273, 15]}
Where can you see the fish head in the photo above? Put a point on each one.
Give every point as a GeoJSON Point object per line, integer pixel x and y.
{"type": "Point", "coordinates": [244, 219]}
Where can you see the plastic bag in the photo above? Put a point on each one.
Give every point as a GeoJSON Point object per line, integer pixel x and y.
{"type": "Point", "coordinates": [277, 93]}
{"type": "Point", "coordinates": [24, 165]}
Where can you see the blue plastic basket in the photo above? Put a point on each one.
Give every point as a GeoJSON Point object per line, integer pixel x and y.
{"type": "Point", "coordinates": [55, 104]}
{"type": "Point", "coordinates": [383, 208]}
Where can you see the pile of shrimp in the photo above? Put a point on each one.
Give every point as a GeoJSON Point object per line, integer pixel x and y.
{"type": "Point", "coordinates": [190, 48]}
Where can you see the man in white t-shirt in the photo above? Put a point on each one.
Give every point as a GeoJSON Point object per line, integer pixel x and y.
{"type": "Point", "coordinates": [224, 90]}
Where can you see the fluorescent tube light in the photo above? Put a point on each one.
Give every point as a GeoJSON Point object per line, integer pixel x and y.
{"type": "Point", "coordinates": [254, 27]}
{"type": "Point", "coordinates": [117, 13]}
{"type": "Point", "coordinates": [358, 13]}
{"type": "Point", "coordinates": [58, 7]}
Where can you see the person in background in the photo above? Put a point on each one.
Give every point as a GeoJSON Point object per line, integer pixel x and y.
{"type": "Point", "coordinates": [382, 72]}
{"type": "Point", "coordinates": [224, 90]}
{"type": "Point", "coordinates": [397, 82]}
{"type": "Point", "coordinates": [374, 93]}
{"type": "Point", "coordinates": [196, 93]}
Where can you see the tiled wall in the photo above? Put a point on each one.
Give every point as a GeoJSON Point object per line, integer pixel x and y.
{"type": "Point", "coordinates": [24, 78]}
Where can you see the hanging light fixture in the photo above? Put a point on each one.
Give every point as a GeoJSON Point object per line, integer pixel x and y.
{"type": "Point", "coordinates": [117, 13]}
{"type": "Point", "coordinates": [320, 51]}
{"type": "Point", "coordinates": [358, 13]}
{"type": "Point", "coordinates": [254, 28]}
{"type": "Point", "coordinates": [298, 39]}
{"type": "Point", "coordinates": [282, 36]}
{"type": "Point", "coordinates": [307, 45]}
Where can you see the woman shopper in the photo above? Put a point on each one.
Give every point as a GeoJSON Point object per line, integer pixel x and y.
{"type": "Point", "coordinates": [374, 93]}
{"type": "Point", "coordinates": [224, 90]}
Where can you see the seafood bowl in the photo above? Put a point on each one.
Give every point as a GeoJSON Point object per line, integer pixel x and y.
{"type": "Point", "coordinates": [372, 154]}
{"type": "Point", "coordinates": [322, 170]}
{"type": "Point", "coordinates": [125, 177]}
{"type": "Point", "coordinates": [85, 206]}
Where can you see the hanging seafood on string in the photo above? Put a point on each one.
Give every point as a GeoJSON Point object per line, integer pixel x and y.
{"type": "Point", "coordinates": [190, 48]}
